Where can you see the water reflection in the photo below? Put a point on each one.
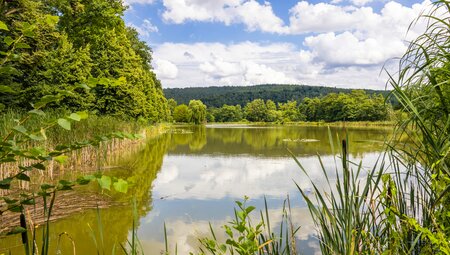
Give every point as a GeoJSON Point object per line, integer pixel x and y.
{"type": "Point", "coordinates": [192, 175]}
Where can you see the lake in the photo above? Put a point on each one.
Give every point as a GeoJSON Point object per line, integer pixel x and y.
{"type": "Point", "coordinates": [192, 175]}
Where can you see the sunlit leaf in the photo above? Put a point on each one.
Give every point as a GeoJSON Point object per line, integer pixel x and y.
{"type": "Point", "coordinates": [51, 20]}
{"type": "Point", "coordinates": [8, 40]}
{"type": "Point", "coordinates": [83, 115]}
{"type": "Point", "coordinates": [105, 182]}
{"type": "Point", "coordinates": [75, 117]}
{"type": "Point", "coordinates": [121, 186]}
{"type": "Point", "coordinates": [21, 45]}
{"type": "Point", "coordinates": [3, 26]}
{"type": "Point", "coordinates": [64, 123]}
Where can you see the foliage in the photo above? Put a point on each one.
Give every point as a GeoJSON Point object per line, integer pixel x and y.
{"type": "Point", "coordinates": [245, 238]}
{"type": "Point", "coordinates": [241, 95]}
{"type": "Point", "coordinates": [228, 113]}
{"type": "Point", "coordinates": [64, 54]}
{"type": "Point", "coordinates": [198, 111]}
{"type": "Point", "coordinates": [256, 110]}
{"type": "Point", "coordinates": [355, 106]}
{"type": "Point", "coordinates": [182, 113]}
{"type": "Point", "coordinates": [406, 206]}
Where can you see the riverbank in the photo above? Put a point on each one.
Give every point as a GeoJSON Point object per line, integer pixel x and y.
{"type": "Point", "coordinates": [104, 157]}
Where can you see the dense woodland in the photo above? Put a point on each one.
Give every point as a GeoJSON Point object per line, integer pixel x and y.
{"type": "Point", "coordinates": [81, 49]}
{"type": "Point", "coordinates": [241, 95]}
{"type": "Point", "coordinates": [354, 106]}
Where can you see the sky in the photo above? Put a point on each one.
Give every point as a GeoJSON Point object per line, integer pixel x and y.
{"type": "Point", "coordinates": [337, 43]}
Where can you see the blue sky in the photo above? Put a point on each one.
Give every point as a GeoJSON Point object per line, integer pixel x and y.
{"type": "Point", "coordinates": [339, 43]}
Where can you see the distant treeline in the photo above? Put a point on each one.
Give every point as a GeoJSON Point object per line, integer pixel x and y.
{"type": "Point", "coordinates": [354, 106]}
{"type": "Point", "coordinates": [241, 95]}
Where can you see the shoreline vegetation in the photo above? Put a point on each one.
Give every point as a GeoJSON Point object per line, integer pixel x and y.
{"type": "Point", "coordinates": [51, 60]}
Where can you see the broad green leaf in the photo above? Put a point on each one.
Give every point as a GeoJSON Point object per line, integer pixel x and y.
{"type": "Point", "coordinates": [23, 177]}
{"type": "Point", "coordinates": [121, 186]}
{"type": "Point", "coordinates": [8, 40]}
{"type": "Point", "coordinates": [61, 159]}
{"type": "Point", "coordinates": [3, 26]}
{"type": "Point", "coordinates": [51, 20]}
{"type": "Point", "coordinates": [83, 115]}
{"type": "Point", "coordinates": [36, 137]}
{"type": "Point", "coordinates": [20, 129]}
{"type": "Point", "coordinates": [75, 117]}
{"type": "Point", "coordinates": [105, 182]}
{"type": "Point", "coordinates": [21, 45]}
{"type": "Point", "coordinates": [64, 123]}
{"type": "Point", "coordinates": [29, 33]}
{"type": "Point", "coordinates": [37, 112]}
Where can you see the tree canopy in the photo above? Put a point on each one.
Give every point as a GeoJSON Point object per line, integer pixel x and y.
{"type": "Point", "coordinates": [84, 47]}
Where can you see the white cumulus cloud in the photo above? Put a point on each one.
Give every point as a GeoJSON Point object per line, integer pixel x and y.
{"type": "Point", "coordinates": [254, 15]}
{"type": "Point", "coordinates": [165, 69]}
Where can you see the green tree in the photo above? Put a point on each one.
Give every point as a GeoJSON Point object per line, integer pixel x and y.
{"type": "Point", "coordinates": [229, 113]}
{"type": "Point", "coordinates": [290, 111]}
{"type": "Point", "coordinates": [182, 113]}
{"type": "Point", "coordinates": [198, 110]}
{"type": "Point", "coordinates": [256, 110]}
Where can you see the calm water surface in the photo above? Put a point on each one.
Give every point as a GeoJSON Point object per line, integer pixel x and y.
{"type": "Point", "coordinates": [191, 176]}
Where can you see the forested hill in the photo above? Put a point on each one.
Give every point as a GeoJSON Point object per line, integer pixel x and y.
{"type": "Point", "coordinates": [218, 96]}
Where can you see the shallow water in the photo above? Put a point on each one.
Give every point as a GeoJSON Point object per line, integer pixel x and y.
{"type": "Point", "coordinates": [192, 175]}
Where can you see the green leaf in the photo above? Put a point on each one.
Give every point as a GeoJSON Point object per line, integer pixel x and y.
{"type": "Point", "coordinates": [51, 20]}
{"type": "Point", "coordinates": [105, 182]}
{"type": "Point", "coordinates": [21, 45]}
{"type": "Point", "coordinates": [17, 230]}
{"type": "Point", "coordinates": [3, 26]}
{"type": "Point", "coordinates": [23, 177]}
{"type": "Point", "coordinates": [29, 202]}
{"type": "Point", "coordinates": [121, 186]}
{"type": "Point", "coordinates": [5, 183]}
{"type": "Point", "coordinates": [10, 201]}
{"type": "Point", "coordinates": [20, 129]}
{"type": "Point", "coordinates": [2, 107]}
{"type": "Point", "coordinates": [36, 138]}
{"type": "Point", "coordinates": [8, 40]}
{"type": "Point", "coordinates": [39, 166]}
{"type": "Point", "coordinates": [75, 117]}
{"type": "Point", "coordinates": [61, 159]}
{"type": "Point", "coordinates": [46, 100]}
{"type": "Point", "coordinates": [64, 123]}
{"type": "Point", "coordinates": [37, 112]}
{"type": "Point", "coordinates": [83, 115]}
